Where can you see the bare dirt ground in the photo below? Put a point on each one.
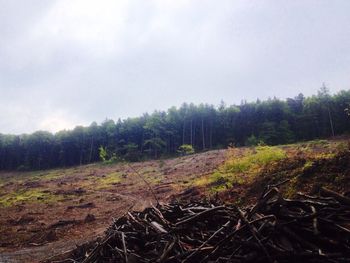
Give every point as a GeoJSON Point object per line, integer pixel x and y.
{"type": "Point", "coordinates": [49, 212]}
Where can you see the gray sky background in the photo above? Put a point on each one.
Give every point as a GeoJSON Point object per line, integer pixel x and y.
{"type": "Point", "coordinates": [70, 62]}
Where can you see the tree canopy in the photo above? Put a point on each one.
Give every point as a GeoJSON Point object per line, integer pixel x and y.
{"type": "Point", "coordinates": [201, 127]}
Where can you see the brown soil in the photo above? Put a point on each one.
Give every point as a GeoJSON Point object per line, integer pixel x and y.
{"type": "Point", "coordinates": [87, 202]}
{"type": "Point", "coordinates": [31, 231]}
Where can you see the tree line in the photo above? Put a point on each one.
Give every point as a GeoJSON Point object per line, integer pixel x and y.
{"type": "Point", "coordinates": [161, 133]}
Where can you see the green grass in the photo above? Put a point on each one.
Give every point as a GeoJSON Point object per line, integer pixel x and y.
{"type": "Point", "coordinates": [253, 160]}
{"type": "Point", "coordinates": [241, 169]}
{"type": "Point", "coordinates": [151, 174]}
{"type": "Point", "coordinates": [155, 178]}
{"type": "Point", "coordinates": [108, 180]}
{"type": "Point", "coordinates": [48, 175]}
{"type": "Point", "coordinates": [45, 175]}
{"type": "Point", "coordinates": [26, 196]}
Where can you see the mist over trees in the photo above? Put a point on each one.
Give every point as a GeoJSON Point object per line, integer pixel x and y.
{"type": "Point", "coordinates": [161, 133]}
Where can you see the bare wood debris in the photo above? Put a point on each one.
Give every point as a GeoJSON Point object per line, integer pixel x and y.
{"type": "Point", "coordinates": [275, 229]}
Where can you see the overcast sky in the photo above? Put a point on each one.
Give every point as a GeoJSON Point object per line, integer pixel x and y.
{"type": "Point", "coordinates": [70, 62]}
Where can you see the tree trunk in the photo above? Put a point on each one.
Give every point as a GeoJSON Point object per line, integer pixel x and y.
{"type": "Point", "coordinates": [91, 147]}
{"type": "Point", "coordinates": [142, 140]}
{"type": "Point", "coordinates": [211, 135]}
{"type": "Point", "coordinates": [191, 133]}
{"type": "Point", "coordinates": [81, 156]}
{"type": "Point", "coordinates": [183, 133]}
{"type": "Point", "coordinates": [194, 134]}
{"type": "Point", "coordinates": [203, 137]}
{"type": "Point", "coordinates": [330, 121]}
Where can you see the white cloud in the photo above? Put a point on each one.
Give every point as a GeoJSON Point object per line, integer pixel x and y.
{"type": "Point", "coordinates": [58, 120]}
{"type": "Point", "coordinates": [93, 26]}
{"type": "Point", "coordinates": [72, 62]}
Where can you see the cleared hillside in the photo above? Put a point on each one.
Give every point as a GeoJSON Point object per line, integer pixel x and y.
{"type": "Point", "coordinates": [48, 212]}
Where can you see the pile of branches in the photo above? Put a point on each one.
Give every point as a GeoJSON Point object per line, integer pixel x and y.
{"type": "Point", "coordinates": [275, 229]}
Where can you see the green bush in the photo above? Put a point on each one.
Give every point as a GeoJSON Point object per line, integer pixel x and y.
{"type": "Point", "coordinates": [107, 156]}
{"type": "Point", "coordinates": [103, 153]}
{"type": "Point", "coordinates": [186, 149]}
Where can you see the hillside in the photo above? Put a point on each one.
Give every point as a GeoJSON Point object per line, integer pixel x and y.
{"type": "Point", "coordinates": [48, 212]}
{"type": "Point", "coordinates": [37, 208]}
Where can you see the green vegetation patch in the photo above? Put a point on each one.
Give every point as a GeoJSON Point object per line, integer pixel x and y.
{"type": "Point", "coordinates": [48, 175]}
{"type": "Point", "coordinates": [186, 149]}
{"type": "Point", "coordinates": [241, 169]}
{"type": "Point", "coordinates": [253, 160]}
{"type": "Point", "coordinates": [151, 175]}
{"type": "Point", "coordinates": [319, 143]}
{"type": "Point", "coordinates": [108, 180]}
{"type": "Point", "coordinates": [154, 178]}
{"type": "Point", "coordinates": [26, 196]}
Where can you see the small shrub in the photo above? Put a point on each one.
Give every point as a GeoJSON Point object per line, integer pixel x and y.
{"type": "Point", "coordinates": [103, 153]}
{"type": "Point", "coordinates": [186, 149]}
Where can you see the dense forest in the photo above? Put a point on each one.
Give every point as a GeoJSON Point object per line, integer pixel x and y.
{"type": "Point", "coordinates": [161, 133]}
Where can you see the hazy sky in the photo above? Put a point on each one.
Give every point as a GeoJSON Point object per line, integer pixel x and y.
{"type": "Point", "coordinates": [70, 62]}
